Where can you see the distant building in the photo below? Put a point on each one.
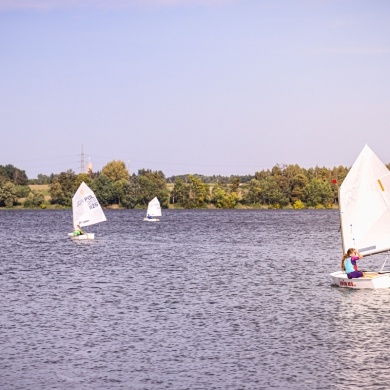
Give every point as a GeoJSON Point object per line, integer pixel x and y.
{"type": "Point", "coordinates": [89, 168]}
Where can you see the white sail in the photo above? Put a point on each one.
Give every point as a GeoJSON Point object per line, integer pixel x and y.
{"type": "Point", "coordinates": [154, 208]}
{"type": "Point", "coordinates": [364, 202]}
{"type": "Point", "coordinates": [86, 208]}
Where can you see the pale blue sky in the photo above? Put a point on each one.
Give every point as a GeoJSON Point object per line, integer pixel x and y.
{"type": "Point", "coordinates": [190, 86]}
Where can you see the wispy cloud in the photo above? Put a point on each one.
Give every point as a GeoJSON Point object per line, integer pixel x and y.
{"type": "Point", "coordinates": [101, 4]}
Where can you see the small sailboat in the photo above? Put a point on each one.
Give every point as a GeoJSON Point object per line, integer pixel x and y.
{"type": "Point", "coordinates": [154, 210]}
{"type": "Point", "coordinates": [364, 205]}
{"type": "Point", "coordinates": [86, 211]}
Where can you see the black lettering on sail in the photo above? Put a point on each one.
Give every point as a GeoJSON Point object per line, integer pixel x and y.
{"type": "Point", "coordinates": [91, 201]}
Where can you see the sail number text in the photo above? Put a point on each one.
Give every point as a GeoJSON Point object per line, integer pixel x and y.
{"type": "Point", "coordinates": [91, 201]}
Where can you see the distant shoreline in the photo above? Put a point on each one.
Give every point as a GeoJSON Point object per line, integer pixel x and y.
{"type": "Point", "coordinates": [211, 207]}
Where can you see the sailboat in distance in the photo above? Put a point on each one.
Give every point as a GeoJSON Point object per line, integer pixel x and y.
{"type": "Point", "coordinates": [86, 211]}
{"type": "Point", "coordinates": [364, 205]}
{"type": "Point", "coordinates": [154, 210]}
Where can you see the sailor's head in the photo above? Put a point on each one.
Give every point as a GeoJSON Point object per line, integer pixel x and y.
{"type": "Point", "coordinates": [351, 252]}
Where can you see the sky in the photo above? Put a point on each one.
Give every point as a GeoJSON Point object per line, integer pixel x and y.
{"type": "Point", "coordinates": [212, 87]}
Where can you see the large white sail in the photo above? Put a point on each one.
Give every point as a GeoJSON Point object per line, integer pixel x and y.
{"type": "Point", "coordinates": [86, 208]}
{"type": "Point", "coordinates": [154, 208]}
{"type": "Point", "coordinates": [364, 201]}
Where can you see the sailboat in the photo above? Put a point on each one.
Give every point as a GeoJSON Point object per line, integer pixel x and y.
{"type": "Point", "coordinates": [364, 205]}
{"type": "Point", "coordinates": [154, 210]}
{"type": "Point", "coordinates": [86, 211]}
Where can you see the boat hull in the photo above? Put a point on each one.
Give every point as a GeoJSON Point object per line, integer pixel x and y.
{"type": "Point", "coordinates": [373, 280]}
{"type": "Point", "coordinates": [151, 219]}
{"type": "Point", "coordinates": [85, 236]}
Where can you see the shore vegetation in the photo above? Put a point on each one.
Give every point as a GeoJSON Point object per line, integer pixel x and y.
{"type": "Point", "coordinates": [282, 187]}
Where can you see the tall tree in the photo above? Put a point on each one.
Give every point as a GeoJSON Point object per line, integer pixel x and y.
{"type": "Point", "coordinates": [318, 193]}
{"type": "Point", "coordinates": [271, 193]}
{"type": "Point", "coordinates": [198, 193]}
{"type": "Point", "coordinates": [252, 192]}
{"type": "Point", "coordinates": [151, 184]}
{"type": "Point", "coordinates": [298, 183]}
{"type": "Point", "coordinates": [179, 193]}
{"type": "Point", "coordinates": [116, 170]}
{"type": "Point", "coordinates": [104, 189]}
{"type": "Point", "coordinates": [11, 173]}
{"type": "Point", "coordinates": [63, 188]}
{"type": "Point", "coordinates": [123, 193]}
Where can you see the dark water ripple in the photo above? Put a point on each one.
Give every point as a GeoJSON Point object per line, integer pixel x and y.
{"type": "Point", "coordinates": [201, 300]}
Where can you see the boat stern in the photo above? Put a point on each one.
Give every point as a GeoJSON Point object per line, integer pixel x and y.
{"type": "Point", "coordinates": [372, 280]}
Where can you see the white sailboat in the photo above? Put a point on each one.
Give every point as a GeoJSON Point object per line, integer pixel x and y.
{"type": "Point", "coordinates": [86, 211]}
{"type": "Point", "coordinates": [364, 204]}
{"type": "Point", "coordinates": [154, 210]}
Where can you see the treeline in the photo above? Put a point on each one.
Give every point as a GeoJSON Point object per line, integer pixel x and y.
{"type": "Point", "coordinates": [281, 187]}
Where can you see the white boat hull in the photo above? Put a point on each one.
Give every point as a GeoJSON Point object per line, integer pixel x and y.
{"type": "Point", "coordinates": [85, 236]}
{"type": "Point", "coordinates": [373, 280]}
{"type": "Point", "coordinates": [151, 219]}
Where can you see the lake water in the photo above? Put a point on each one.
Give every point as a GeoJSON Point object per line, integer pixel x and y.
{"type": "Point", "coordinates": [204, 299]}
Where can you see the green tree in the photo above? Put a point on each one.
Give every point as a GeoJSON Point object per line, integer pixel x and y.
{"type": "Point", "coordinates": [43, 179]}
{"type": "Point", "coordinates": [8, 194]}
{"type": "Point", "coordinates": [318, 192]}
{"type": "Point", "coordinates": [262, 174]}
{"type": "Point", "coordinates": [133, 192]}
{"type": "Point", "coordinates": [298, 183]}
{"type": "Point", "coordinates": [180, 191]}
{"type": "Point", "coordinates": [147, 190]}
{"type": "Point", "coordinates": [151, 184]}
{"type": "Point", "coordinates": [271, 193]}
{"type": "Point", "coordinates": [292, 170]}
{"type": "Point", "coordinates": [63, 188]}
{"type": "Point", "coordinates": [11, 173]}
{"type": "Point", "coordinates": [223, 199]}
{"type": "Point", "coordinates": [116, 170]}
{"type": "Point", "coordinates": [252, 191]}
{"type": "Point", "coordinates": [104, 189]}
{"type": "Point", "coordinates": [197, 193]}
{"type": "Point", "coordinates": [22, 191]}
{"type": "Point", "coordinates": [34, 199]}
{"type": "Point", "coordinates": [56, 193]}
{"type": "Point", "coordinates": [234, 183]}
{"type": "Point", "coordinates": [122, 193]}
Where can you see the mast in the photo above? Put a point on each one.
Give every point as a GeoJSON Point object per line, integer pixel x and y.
{"type": "Point", "coordinates": [341, 224]}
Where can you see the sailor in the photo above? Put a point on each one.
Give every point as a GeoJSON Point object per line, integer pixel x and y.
{"type": "Point", "coordinates": [77, 231]}
{"type": "Point", "coordinates": [348, 263]}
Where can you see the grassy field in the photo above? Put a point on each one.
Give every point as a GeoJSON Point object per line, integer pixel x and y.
{"type": "Point", "coordinates": [42, 188]}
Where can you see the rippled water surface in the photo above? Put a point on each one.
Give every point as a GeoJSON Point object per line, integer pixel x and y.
{"type": "Point", "coordinates": [236, 299]}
